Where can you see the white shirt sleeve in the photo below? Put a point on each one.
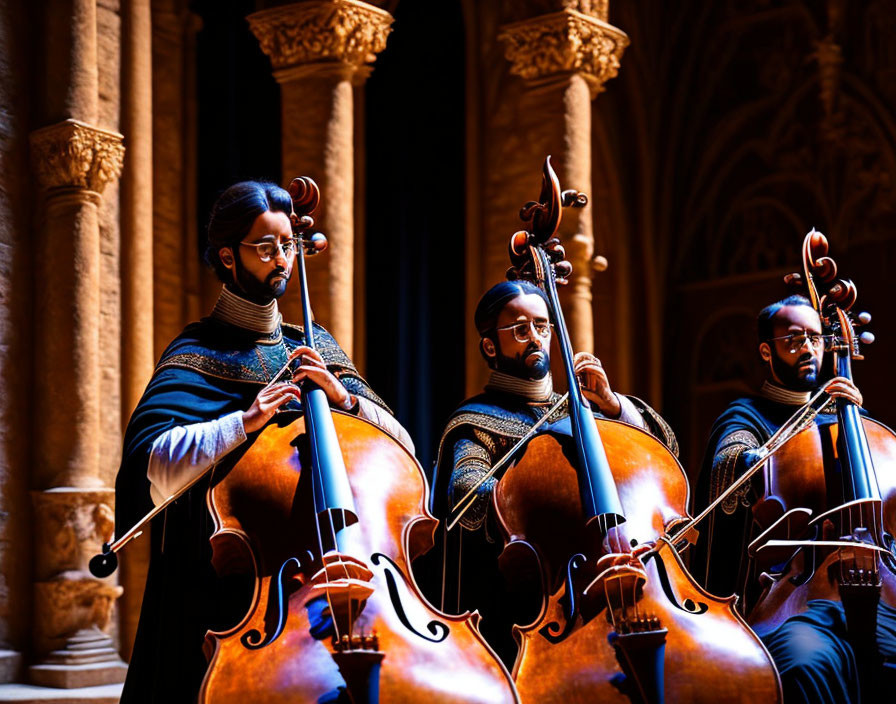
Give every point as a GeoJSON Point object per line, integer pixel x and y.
{"type": "Point", "coordinates": [181, 454]}
{"type": "Point", "coordinates": [629, 412]}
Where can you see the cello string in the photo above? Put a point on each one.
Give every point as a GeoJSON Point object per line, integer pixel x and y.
{"type": "Point", "coordinates": [444, 565]}
{"type": "Point", "coordinates": [323, 562]}
{"type": "Point", "coordinates": [461, 507]}
{"type": "Point", "coordinates": [460, 549]}
{"type": "Point", "coordinates": [609, 605]}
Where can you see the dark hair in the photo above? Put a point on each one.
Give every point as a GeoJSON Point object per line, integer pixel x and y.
{"type": "Point", "coordinates": [235, 211]}
{"type": "Point", "coordinates": [494, 300]}
{"type": "Point", "coordinates": [764, 323]}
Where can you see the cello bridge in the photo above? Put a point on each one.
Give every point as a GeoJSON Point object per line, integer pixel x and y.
{"type": "Point", "coordinates": [349, 643]}
{"type": "Point", "coordinates": [642, 623]}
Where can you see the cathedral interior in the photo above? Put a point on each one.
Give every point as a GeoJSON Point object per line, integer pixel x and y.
{"type": "Point", "coordinates": [710, 138]}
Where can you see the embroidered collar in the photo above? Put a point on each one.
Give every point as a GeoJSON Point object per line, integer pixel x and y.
{"type": "Point", "coordinates": [236, 310]}
{"type": "Point", "coordinates": [773, 392]}
{"type": "Point", "coordinates": [538, 390]}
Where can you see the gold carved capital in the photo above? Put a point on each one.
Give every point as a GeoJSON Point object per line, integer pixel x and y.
{"type": "Point", "coordinates": [564, 42]}
{"type": "Point", "coordinates": [74, 154]}
{"type": "Point", "coordinates": [321, 33]}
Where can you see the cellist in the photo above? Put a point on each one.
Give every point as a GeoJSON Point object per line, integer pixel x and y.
{"type": "Point", "coordinates": [515, 342]}
{"type": "Point", "coordinates": [811, 649]}
{"type": "Point", "coordinates": [210, 389]}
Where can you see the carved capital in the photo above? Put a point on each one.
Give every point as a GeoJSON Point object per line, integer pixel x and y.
{"type": "Point", "coordinates": [75, 154]}
{"type": "Point", "coordinates": [320, 34]}
{"type": "Point", "coordinates": [71, 526]}
{"type": "Point", "coordinates": [562, 43]}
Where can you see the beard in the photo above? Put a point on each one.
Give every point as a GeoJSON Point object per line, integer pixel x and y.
{"type": "Point", "coordinates": [534, 363]}
{"type": "Point", "coordinates": [261, 292]}
{"type": "Point", "coordinates": [795, 378]}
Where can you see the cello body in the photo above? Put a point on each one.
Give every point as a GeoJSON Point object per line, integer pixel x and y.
{"type": "Point", "coordinates": [327, 511]}
{"type": "Point", "coordinates": [708, 654]}
{"type": "Point", "coordinates": [795, 493]}
{"type": "Point", "coordinates": [402, 650]}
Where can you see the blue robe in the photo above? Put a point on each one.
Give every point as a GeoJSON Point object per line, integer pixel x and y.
{"type": "Point", "coordinates": [211, 369]}
{"type": "Point", "coordinates": [813, 655]}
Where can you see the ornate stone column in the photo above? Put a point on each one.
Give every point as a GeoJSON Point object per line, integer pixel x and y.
{"type": "Point", "coordinates": [73, 162]}
{"type": "Point", "coordinates": [319, 50]}
{"type": "Point", "coordinates": [565, 58]}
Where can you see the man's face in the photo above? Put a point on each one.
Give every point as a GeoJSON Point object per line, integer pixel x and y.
{"type": "Point", "coordinates": [795, 363]}
{"type": "Point", "coordinates": [520, 350]}
{"type": "Point", "coordinates": [262, 281]}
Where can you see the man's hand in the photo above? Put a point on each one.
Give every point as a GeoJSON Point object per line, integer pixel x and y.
{"type": "Point", "coordinates": [313, 368]}
{"type": "Point", "coordinates": [267, 402]}
{"type": "Point", "coordinates": [841, 387]}
{"type": "Point", "coordinates": [595, 385]}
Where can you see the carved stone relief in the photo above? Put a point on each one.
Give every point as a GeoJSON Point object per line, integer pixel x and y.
{"type": "Point", "coordinates": [348, 32]}
{"type": "Point", "coordinates": [73, 153]}
{"type": "Point", "coordinates": [564, 42]}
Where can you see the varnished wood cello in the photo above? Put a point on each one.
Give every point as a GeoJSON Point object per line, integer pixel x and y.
{"type": "Point", "coordinates": [621, 618]}
{"type": "Point", "coordinates": [826, 513]}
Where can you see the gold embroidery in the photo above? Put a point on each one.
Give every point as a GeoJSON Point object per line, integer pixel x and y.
{"type": "Point", "coordinates": [726, 467]}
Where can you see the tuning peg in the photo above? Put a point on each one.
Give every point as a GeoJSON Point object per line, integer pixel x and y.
{"type": "Point", "coordinates": [866, 338]}
{"type": "Point", "coordinates": [555, 249]}
{"type": "Point", "coordinates": [863, 318]}
{"type": "Point", "coordinates": [573, 199]}
{"type": "Point", "coordinates": [315, 244]}
{"type": "Point", "coordinates": [562, 269]}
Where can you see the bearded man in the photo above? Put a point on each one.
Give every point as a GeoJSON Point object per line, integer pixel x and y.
{"type": "Point", "coordinates": [811, 650]}
{"type": "Point", "coordinates": [513, 322]}
{"type": "Point", "coordinates": [210, 393]}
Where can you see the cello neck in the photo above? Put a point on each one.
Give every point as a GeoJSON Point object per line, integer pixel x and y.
{"type": "Point", "coordinates": [857, 467]}
{"type": "Point", "coordinates": [334, 503]}
{"type": "Point", "coordinates": [597, 487]}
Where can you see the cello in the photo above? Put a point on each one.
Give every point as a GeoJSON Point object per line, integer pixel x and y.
{"type": "Point", "coordinates": [825, 518]}
{"type": "Point", "coordinates": [621, 619]}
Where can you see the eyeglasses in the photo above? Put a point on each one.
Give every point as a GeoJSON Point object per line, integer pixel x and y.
{"type": "Point", "coordinates": [796, 340]}
{"type": "Point", "coordinates": [521, 329]}
{"type": "Point", "coordinates": [268, 250]}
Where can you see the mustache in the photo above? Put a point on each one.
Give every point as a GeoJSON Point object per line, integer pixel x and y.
{"type": "Point", "coordinates": [279, 271]}
{"type": "Point", "coordinates": [531, 349]}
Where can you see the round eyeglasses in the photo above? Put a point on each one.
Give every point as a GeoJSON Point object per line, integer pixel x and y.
{"type": "Point", "coordinates": [521, 329]}
{"type": "Point", "coordinates": [796, 340]}
{"type": "Point", "coordinates": [267, 251]}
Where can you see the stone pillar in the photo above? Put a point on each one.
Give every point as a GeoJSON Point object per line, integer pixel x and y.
{"type": "Point", "coordinates": [565, 58]}
{"type": "Point", "coordinates": [73, 162]}
{"type": "Point", "coordinates": [319, 50]}
{"type": "Point", "coordinates": [137, 358]}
